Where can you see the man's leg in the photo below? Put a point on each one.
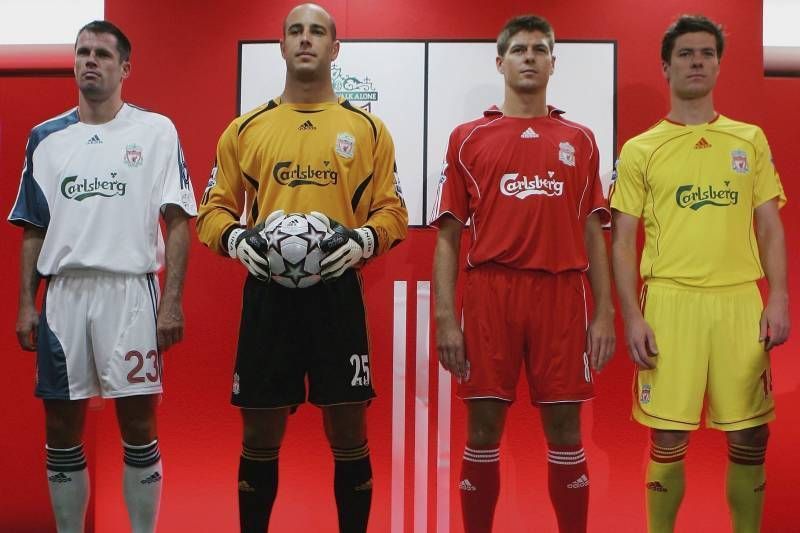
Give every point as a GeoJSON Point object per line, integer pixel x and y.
{"type": "Point", "coordinates": [263, 431]}
{"type": "Point", "coordinates": [747, 449]}
{"type": "Point", "coordinates": [665, 481]}
{"type": "Point", "coordinates": [67, 475]}
{"type": "Point", "coordinates": [143, 473]}
{"type": "Point", "coordinates": [346, 429]}
{"type": "Point", "coordinates": [480, 466]}
{"type": "Point", "coordinates": [568, 476]}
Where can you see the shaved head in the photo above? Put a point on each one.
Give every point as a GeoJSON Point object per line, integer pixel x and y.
{"type": "Point", "coordinates": [304, 8]}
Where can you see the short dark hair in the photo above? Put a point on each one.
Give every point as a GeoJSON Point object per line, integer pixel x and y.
{"type": "Point", "coordinates": [104, 26]}
{"type": "Point", "coordinates": [524, 23]}
{"type": "Point", "coordinates": [690, 24]}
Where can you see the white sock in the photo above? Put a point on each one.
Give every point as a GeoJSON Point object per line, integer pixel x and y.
{"type": "Point", "coordinates": [142, 479]}
{"type": "Point", "coordinates": [68, 481]}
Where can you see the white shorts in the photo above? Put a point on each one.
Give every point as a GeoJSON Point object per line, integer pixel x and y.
{"type": "Point", "coordinates": [97, 336]}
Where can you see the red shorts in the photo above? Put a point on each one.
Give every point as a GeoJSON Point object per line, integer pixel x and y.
{"type": "Point", "coordinates": [513, 316]}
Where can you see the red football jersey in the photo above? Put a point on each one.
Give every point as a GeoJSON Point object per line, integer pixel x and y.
{"type": "Point", "coordinates": [527, 184]}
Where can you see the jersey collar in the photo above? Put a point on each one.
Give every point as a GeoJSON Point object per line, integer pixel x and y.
{"type": "Point", "coordinates": [713, 120]}
{"type": "Point", "coordinates": [495, 111]}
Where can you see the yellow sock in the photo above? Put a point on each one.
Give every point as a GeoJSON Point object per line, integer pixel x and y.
{"type": "Point", "coordinates": [665, 487]}
{"type": "Point", "coordinates": [745, 487]}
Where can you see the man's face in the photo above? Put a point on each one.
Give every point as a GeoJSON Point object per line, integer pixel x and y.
{"type": "Point", "coordinates": [98, 68]}
{"type": "Point", "coordinates": [694, 66]}
{"type": "Point", "coordinates": [307, 45]}
{"type": "Point", "coordinates": [527, 64]}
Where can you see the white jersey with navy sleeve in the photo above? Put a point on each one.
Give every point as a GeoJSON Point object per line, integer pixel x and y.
{"type": "Point", "coordinates": [98, 189]}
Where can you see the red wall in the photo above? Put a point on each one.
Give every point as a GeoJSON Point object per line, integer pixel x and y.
{"type": "Point", "coordinates": [184, 65]}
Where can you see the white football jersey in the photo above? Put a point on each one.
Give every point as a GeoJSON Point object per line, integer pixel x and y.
{"type": "Point", "coordinates": [98, 190]}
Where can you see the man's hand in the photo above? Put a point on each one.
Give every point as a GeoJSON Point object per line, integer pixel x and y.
{"type": "Point", "coordinates": [450, 345]}
{"type": "Point", "coordinates": [251, 247]}
{"type": "Point", "coordinates": [601, 339]}
{"type": "Point", "coordinates": [345, 248]}
{"type": "Point", "coordinates": [169, 324]}
{"type": "Point", "coordinates": [775, 324]}
{"type": "Point", "coordinates": [641, 342]}
{"type": "Point", "coordinates": [28, 328]}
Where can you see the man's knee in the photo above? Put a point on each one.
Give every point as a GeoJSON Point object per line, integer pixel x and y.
{"type": "Point", "coordinates": [136, 416]}
{"type": "Point", "coordinates": [345, 425]}
{"type": "Point", "coordinates": [138, 431]}
{"type": "Point", "coordinates": [562, 423]}
{"type": "Point", "coordinates": [563, 431]}
{"type": "Point", "coordinates": [264, 428]}
{"type": "Point", "coordinates": [486, 422]}
{"type": "Point", "coordinates": [756, 436]}
{"type": "Point", "coordinates": [64, 421]}
{"type": "Point", "coordinates": [669, 439]}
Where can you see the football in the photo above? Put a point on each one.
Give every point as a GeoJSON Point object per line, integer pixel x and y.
{"type": "Point", "coordinates": [294, 253]}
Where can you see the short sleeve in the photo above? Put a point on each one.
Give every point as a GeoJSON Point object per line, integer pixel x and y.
{"type": "Point", "coordinates": [31, 205]}
{"type": "Point", "coordinates": [598, 202]}
{"type": "Point", "coordinates": [627, 193]}
{"type": "Point", "coordinates": [177, 188]}
{"type": "Point", "coordinates": [767, 183]}
{"type": "Point", "coordinates": [451, 192]}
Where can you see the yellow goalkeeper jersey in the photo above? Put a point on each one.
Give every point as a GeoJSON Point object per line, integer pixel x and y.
{"type": "Point", "coordinates": [696, 188]}
{"type": "Point", "coordinates": [329, 157]}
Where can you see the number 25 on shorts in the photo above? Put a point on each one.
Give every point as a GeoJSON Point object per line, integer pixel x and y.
{"type": "Point", "coordinates": [361, 375]}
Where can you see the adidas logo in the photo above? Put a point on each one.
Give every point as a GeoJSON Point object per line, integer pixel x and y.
{"type": "Point", "coordinates": [244, 486]}
{"type": "Point", "coordinates": [761, 487]}
{"type": "Point", "coordinates": [579, 483]}
{"type": "Point", "coordinates": [155, 477]}
{"type": "Point", "coordinates": [94, 140]}
{"type": "Point", "coordinates": [306, 126]}
{"type": "Point", "coordinates": [529, 134]}
{"type": "Point", "coordinates": [466, 485]}
{"type": "Point", "coordinates": [367, 485]}
{"type": "Point", "coordinates": [702, 143]}
{"type": "Point", "coordinates": [656, 487]}
{"type": "Point", "coordinates": [61, 477]}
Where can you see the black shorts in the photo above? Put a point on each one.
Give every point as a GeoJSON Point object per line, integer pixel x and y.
{"type": "Point", "coordinates": [286, 334]}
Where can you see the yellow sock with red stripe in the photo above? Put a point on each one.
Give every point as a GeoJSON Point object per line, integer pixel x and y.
{"type": "Point", "coordinates": [745, 486]}
{"type": "Point", "coordinates": [665, 485]}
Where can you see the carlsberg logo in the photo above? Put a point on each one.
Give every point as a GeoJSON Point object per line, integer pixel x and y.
{"type": "Point", "coordinates": [74, 189]}
{"type": "Point", "coordinates": [696, 197]}
{"type": "Point", "coordinates": [292, 174]}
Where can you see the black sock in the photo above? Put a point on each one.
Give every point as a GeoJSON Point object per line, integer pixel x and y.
{"type": "Point", "coordinates": [352, 485]}
{"type": "Point", "coordinates": [258, 485]}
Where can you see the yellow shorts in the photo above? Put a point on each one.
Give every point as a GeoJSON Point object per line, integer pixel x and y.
{"type": "Point", "coordinates": [708, 344]}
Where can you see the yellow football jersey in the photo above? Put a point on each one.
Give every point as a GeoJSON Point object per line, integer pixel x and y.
{"type": "Point", "coordinates": [696, 188]}
{"type": "Point", "coordinates": [330, 157]}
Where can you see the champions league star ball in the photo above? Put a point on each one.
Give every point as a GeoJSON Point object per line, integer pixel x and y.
{"type": "Point", "coordinates": [294, 253]}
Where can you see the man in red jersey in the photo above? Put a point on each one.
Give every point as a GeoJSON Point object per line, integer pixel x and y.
{"type": "Point", "coordinates": [528, 181]}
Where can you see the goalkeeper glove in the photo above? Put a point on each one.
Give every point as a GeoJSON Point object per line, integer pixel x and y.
{"type": "Point", "coordinates": [251, 247]}
{"type": "Point", "coordinates": [345, 248]}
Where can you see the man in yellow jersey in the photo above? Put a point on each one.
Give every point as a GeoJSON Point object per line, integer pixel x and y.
{"type": "Point", "coordinates": [306, 151]}
{"type": "Point", "coordinates": [700, 181]}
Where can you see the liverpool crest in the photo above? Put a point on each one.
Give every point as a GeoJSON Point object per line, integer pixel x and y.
{"type": "Point", "coordinates": [566, 154]}
{"type": "Point", "coordinates": [345, 145]}
{"type": "Point", "coordinates": [133, 155]}
{"type": "Point", "coordinates": [739, 162]}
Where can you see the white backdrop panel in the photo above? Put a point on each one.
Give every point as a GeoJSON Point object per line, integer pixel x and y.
{"type": "Point", "coordinates": [389, 77]}
{"type": "Point", "coordinates": [463, 81]}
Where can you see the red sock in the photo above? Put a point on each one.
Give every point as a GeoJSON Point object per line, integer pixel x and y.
{"type": "Point", "coordinates": [480, 486]}
{"type": "Point", "coordinates": [568, 481]}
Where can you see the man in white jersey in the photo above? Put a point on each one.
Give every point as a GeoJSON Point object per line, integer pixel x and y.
{"type": "Point", "coordinates": [94, 183]}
